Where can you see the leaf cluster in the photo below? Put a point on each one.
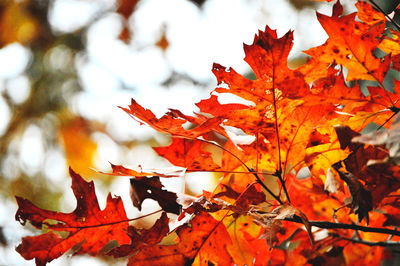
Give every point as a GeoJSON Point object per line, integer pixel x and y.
{"type": "Point", "coordinates": [307, 186]}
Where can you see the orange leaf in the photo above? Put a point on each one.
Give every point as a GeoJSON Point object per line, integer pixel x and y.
{"type": "Point", "coordinates": [351, 44]}
{"type": "Point", "coordinates": [80, 149]}
{"type": "Point", "coordinates": [189, 154]}
{"type": "Point", "coordinates": [205, 241]}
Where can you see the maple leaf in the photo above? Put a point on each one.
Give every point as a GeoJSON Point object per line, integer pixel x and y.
{"type": "Point", "coordinates": [251, 196]}
{"type": "Point", "coordinates": [361, 198]}
{"type": "Point", "coordinates": [285, 211]}
{"type": "Point", "coordinates": [278, 110]}
{"type": "Point", "coordinates": [87, 226]}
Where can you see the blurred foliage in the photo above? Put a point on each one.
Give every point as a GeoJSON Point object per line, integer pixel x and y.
{"type": "Point", "coordinates": [52, 78]}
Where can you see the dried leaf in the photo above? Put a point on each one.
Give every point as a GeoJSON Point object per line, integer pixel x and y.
{"type": "Point", "coordinates": [151, 188]}
{"type": "Point", "coordinates": [287, 211]}
{"type": "Point", "coordinates": [331, 183]}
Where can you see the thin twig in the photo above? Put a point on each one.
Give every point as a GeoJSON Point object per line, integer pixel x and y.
{"type": "Point", "coordinates": [251, 170]}
{"type": "Point", "coordinates": [330, 225]}
{"type": "Point", "coordinates": [279, 171]}
{"type": "Point", "coordinates": [56, 227]}
{"type": "Point", "coordinates": [370, 243]}
{"type": "Point", "coordinates": [259, 181]}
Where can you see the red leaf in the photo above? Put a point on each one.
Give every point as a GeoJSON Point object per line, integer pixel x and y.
{"type": "Point", "coordinates": [119, 170]}
{"type": "Point", "coordinates": [189, 154]}
{"type": "Point", "coordinates": [172, 122]}
{"type": "Point", "coordinates": [351, 44]}
{"type": "Point", "coordinates": [87, 225]}
{"type": "Point", "coordinates": [212, 106]}
{"type": "Point", "coordinates": [202, 242]}
{"type": "Point", "coordinates": [143, 237]}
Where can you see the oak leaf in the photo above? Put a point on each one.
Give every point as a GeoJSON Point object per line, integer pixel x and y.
{"type": "Point", "coordinates": [119, 170]}
{"type": "Point", "coordinates": [141, 238]}
{"type": "Point", "coordinates": [151, 188]}
{"type": "Point", "coordinates": [88, 228]}
{"type": "Point", "coordinates": [351, 44]}
{"type": "Point", "coordinates": [202, 242]}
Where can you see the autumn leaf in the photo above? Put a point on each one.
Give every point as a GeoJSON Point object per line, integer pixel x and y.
{"type": "Point", "coordinates": [187, 153]}
{"type": "Point", "coordinates": [205, 241]}
{"type": "Point", "coordinates": [331, 183]}
{"type": "Point", "coordinates": [285, 211]}
{"type": "Point", "coordinates": [162, 42]}
{"type": "Point", "coordinates": [87, 226]}
{"type": "Point", "coordinates": [172, 122]}
{"type": "Point", "coordinates": [290, 155]}
{"type": "Point", "coordinates": [125, 9]}
{"type": "Point", "coordinates": [368, 164]}
{"type": "Point", "coordinates": [351, 44]}
{"type": "Point", "coordinates": [388, 137]}
{"type": "Point", "coordinates": [80, 148]}
{"type": "Point", "coordinates": [151, 188]}
{"type": "Point", "coordinates": [251, 196]}
{"type": "Point", "coordinates": [119, 170]}
{"type": "Point", "coordinates": [361, 198]}
{"type": "Point", "coordinates": [141, 238]}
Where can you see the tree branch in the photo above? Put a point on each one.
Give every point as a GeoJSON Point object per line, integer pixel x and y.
{"type": "Point", "coordinates": [371, 244]}
{"type": "Point", "coordinates": [330, 225]}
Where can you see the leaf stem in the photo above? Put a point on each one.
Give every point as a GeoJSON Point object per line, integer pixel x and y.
{"type": "Point", "coordinates": [251, 170]}
{"type": "Point", "coordinates": [55, 227]}
{"type": "Point", "coordinates": [279, 171]}
{"type": "Point", "coordinates": [259, 181]}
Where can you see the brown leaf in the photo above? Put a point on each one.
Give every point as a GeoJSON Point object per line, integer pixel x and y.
{"type": "Point", "coordinates": [389, 138]}
{"type": "Point", "coordinates": [287, 211]}
{"type": "Point", "coordinates": [151, 188]}
{"type": "Point", "coordinates": [361, 198]}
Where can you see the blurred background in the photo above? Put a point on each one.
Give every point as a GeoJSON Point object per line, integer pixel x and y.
{"type": "Point", "coordinates": [66, 66]}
